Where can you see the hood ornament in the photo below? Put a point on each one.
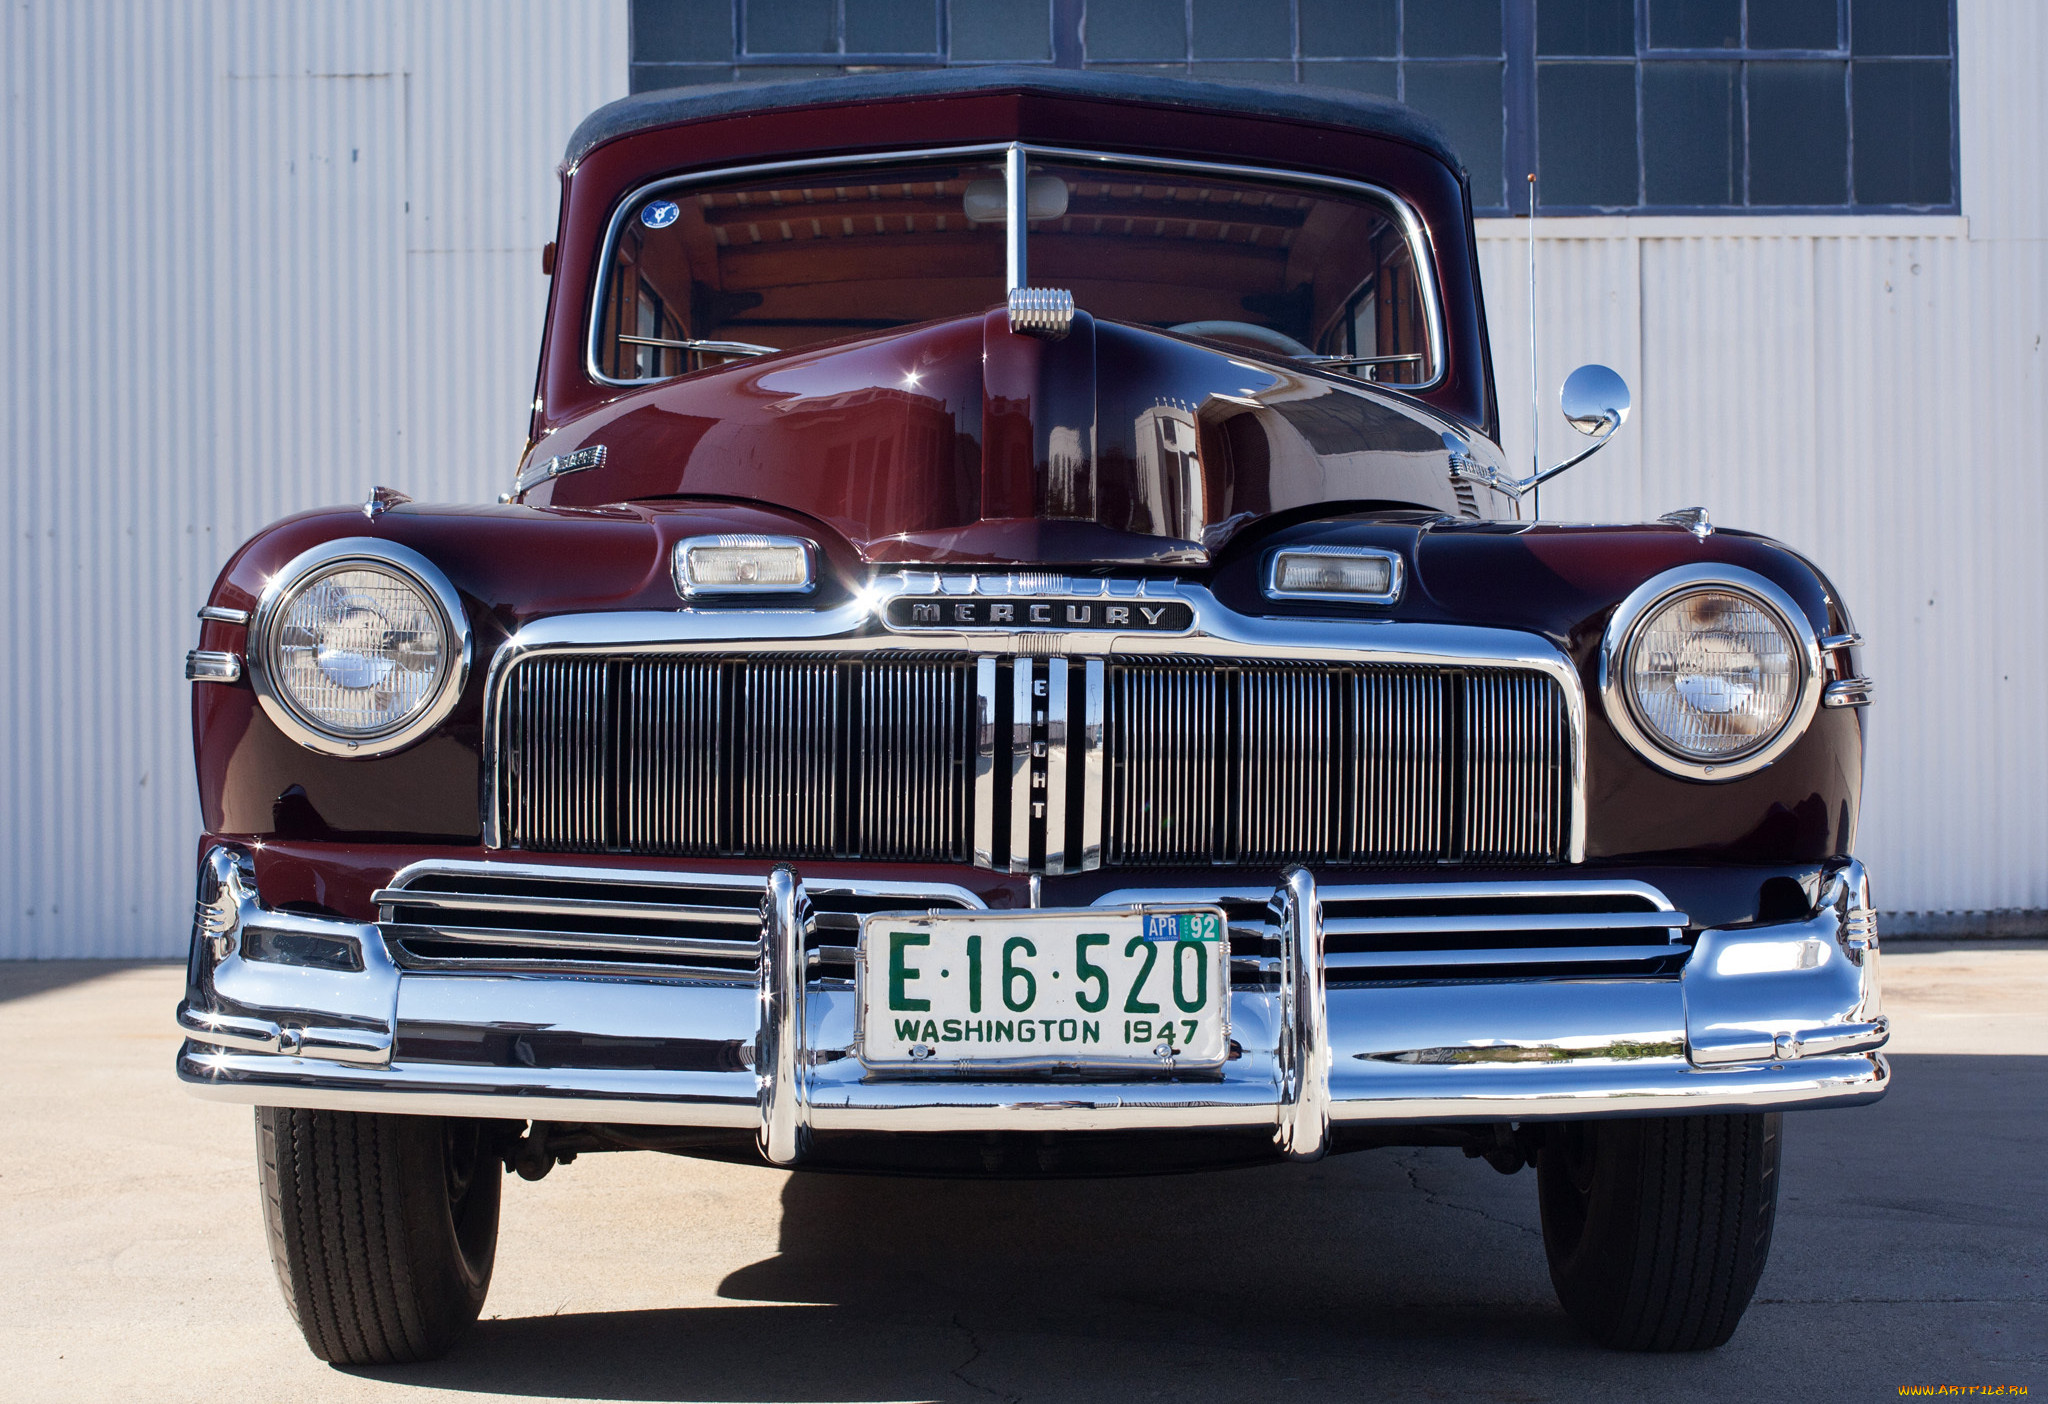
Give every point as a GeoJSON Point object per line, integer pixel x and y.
{"type": "Point", "coordinates": [1042, 312]}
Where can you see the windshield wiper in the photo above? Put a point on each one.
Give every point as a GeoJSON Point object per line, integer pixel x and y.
{"type": "Point", "coordinates": [716, 348]}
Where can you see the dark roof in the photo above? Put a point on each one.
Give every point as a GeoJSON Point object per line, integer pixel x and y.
{"type": "Point", "coordinates": [1329, 106]}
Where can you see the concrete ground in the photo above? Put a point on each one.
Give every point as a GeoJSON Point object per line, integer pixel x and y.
{"type": "Point", "coordinates": [1911, 1250]}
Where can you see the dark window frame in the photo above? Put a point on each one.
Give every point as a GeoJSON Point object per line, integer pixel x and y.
{"type": "Point", "coordinates": [1519, 61]}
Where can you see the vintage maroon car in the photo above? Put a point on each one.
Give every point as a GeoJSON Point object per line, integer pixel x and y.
{"type": "Point", "coordinates": [1014, 650]}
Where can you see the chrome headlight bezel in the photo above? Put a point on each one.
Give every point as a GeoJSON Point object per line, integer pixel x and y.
{"type": "Point", "coordinates": [1643, 604]}
{"type": "Point", "coordinates": [308, 568]}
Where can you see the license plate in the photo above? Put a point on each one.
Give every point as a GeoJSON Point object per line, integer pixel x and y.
{"type": "Point", "coordinates": [944, 992]}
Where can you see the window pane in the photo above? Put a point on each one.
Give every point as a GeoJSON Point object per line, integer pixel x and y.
{"type": "Point", "coordinates": [1136, 29]}
{"type": "Point", "coordinates": [1692, 133]}
{"type": "Point", "coordinates": [1001, 29]}
{"type": "Point", "coordinates": [1585, 26]}
{"type": "Point", "coordinates": [891, 27]}
{"type": "Point", "coordinates": [1243, 29]}
{"type": "Point", "coordinates": [1347, 28]}
{"type": "Point", "coordinates": [1466, 98]}
{"type": "Point", "coordinates": [790, 27]}
{"type": "Point", "coordinates": [1275, 72]}
{"type": "Point", "coordinates": [1898, 27]}
{"type": "Point", "coordinates": [1453, 28]}
{"type": "Point", "coordinates": [1695, 24]}
{"type": "Point", "coordinates": [1798, 134]}
{"type": "Point", "coordinates": [1379, 79]}
{"type": "Point", "coordinates": [1586, 133]}
{"type": "Point", "coordinates": [1793, 24]}
{"type": "Point", "coordinates": [682, 31]}
{"type": "Point", "coordinates": [1902, 134]}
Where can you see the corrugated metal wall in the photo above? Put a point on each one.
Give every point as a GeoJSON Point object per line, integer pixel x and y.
{"type": "Point", "coordinates": [258, 256]}
{"type": "Point", "coordinates": [261, 256]}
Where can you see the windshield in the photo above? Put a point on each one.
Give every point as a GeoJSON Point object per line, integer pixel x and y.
{"type": "Point", "coordinates": [699, 274]}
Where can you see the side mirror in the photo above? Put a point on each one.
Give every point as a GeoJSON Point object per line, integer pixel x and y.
{"type": "Point", "coordinates": [1595, 401]}
{"type": "Point", "coordinates": [1594, 398]}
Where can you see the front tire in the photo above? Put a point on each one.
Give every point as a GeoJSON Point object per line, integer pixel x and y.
{"type": "Point", "coordinates": [1657, 1228]}
{"type": "Point", "coordinates": [382, 1229]}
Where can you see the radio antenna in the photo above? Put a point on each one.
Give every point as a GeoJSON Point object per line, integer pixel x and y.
{"type": "Point", "coordinates": [1535, 395]}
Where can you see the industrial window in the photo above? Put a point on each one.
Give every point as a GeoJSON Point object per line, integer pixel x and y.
{"type": "Point", "coordinates": [1615, 105]}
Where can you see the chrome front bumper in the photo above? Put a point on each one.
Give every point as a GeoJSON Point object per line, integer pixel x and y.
{"type": "Point", "coordinates": [292, 1010]}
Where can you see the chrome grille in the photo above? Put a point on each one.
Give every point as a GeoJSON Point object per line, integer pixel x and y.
{"type": "Point", "coordinates": [779, 757]}
{"type": "Point", "coordinates": [489, 917]}
{"type": "Point", "coordinates": [1350, 764]}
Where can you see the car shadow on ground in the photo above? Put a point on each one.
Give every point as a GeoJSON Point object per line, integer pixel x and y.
{"type": "Point", "coordinates": [1218, 1284]}
{"type": "Point", "coordinates": [1393, 1273]}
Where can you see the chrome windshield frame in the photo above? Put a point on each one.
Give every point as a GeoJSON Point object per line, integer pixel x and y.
{"type": "Point", "coordinates": [1413, 230]}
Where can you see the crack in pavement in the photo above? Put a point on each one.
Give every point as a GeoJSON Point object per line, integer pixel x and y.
{"type": "Point", "coordinates": [959, 1372]}
{"type": "Point", "coordinates": [1409, 1166]}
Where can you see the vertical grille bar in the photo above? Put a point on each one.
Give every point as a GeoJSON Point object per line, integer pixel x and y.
{"type": "Point", "coordinates": [1020, 765]}
{"type": "Point", "coordinates": [1091, 765]}
{"type": "Point", "coordinates": [985, 762]}
{"type": "Point", "coordinates": [1056, 765]}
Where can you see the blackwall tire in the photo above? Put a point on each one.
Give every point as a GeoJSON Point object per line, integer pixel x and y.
{"type": "Point", "coordinates": [383, 1229]}
{"type": "Point", "coordinates": [1657, 1228]}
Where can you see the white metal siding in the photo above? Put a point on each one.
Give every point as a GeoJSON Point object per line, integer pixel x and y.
{"type": "Point", "coordinates": [260, 256]}
{"type": "Point", "coordinates": [257, 257]}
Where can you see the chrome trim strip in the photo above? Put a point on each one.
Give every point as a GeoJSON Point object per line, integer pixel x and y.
{"type": "Point", "coordinates": [1331, 896]}
{"type": "Point", "coordinates": [213, 665]}
{"type": "Point", "coordinates": [984, 762]}
{"type": "Point", "coordinates": [1092, 671]}
{"type": "Point", "coordinates": [1055, 824]}
{"type": "Point", "coordinates": [1303, 1132]}
{"type": "Point", "coordinates": [339, 554]}
{"type": "Point", "coordinates": [596, 943]}
{"type": "Point", "coordinates": [1642, 602]}
{"type": "Point", "coordinates": [387, 897]}
{"type": "Point", "coordinates": [1375, 1092]}
{"type": "Point", "coordinates": [1397, 571]}
{"type": "Point", "coordinates": [1521, 921]}
{"type": "Point", "coordinates": [1413, 231]}
{"type": "Point", "coordinates": [1848, 692]}
{"type": "Point", "coordinates": [657, 877]}
{"type": "Point", "coordinates": [1508, 955]}
{"type": "Point", "coordinates": [1021, 701]}
{"type": "Point", "coordinates": [781, 1064]}
{"type": "Point", "coordinates": [857, 628]}
{"type": "Point", "coordinates": [533, 475]}
{"type": "Point", "coordinates": [1835, 641]}
{"type": "Point", "coordinates": [221, 614]}
{"type": "Point", "coordinates": [1016, 229]}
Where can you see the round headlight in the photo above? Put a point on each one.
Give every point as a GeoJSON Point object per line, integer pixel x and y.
{"type": "Point", "coordinates": [1710, 671]}
{"type": "Point", "coordinates": [358, 648]}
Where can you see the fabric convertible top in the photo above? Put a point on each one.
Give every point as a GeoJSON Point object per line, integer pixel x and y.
{"type": "Point", "coordinates": [1328, 106]}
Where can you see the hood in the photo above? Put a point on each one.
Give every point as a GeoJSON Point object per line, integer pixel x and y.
{"type": "Point", "coordinates": [962, 442]}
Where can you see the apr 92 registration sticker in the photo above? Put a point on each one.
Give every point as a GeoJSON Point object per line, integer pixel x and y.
{"type": "Point", "coordinates": [972, 991]}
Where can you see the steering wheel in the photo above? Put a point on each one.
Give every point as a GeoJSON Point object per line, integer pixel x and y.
{"type": "Point", "coordinates": [1263, 337]}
